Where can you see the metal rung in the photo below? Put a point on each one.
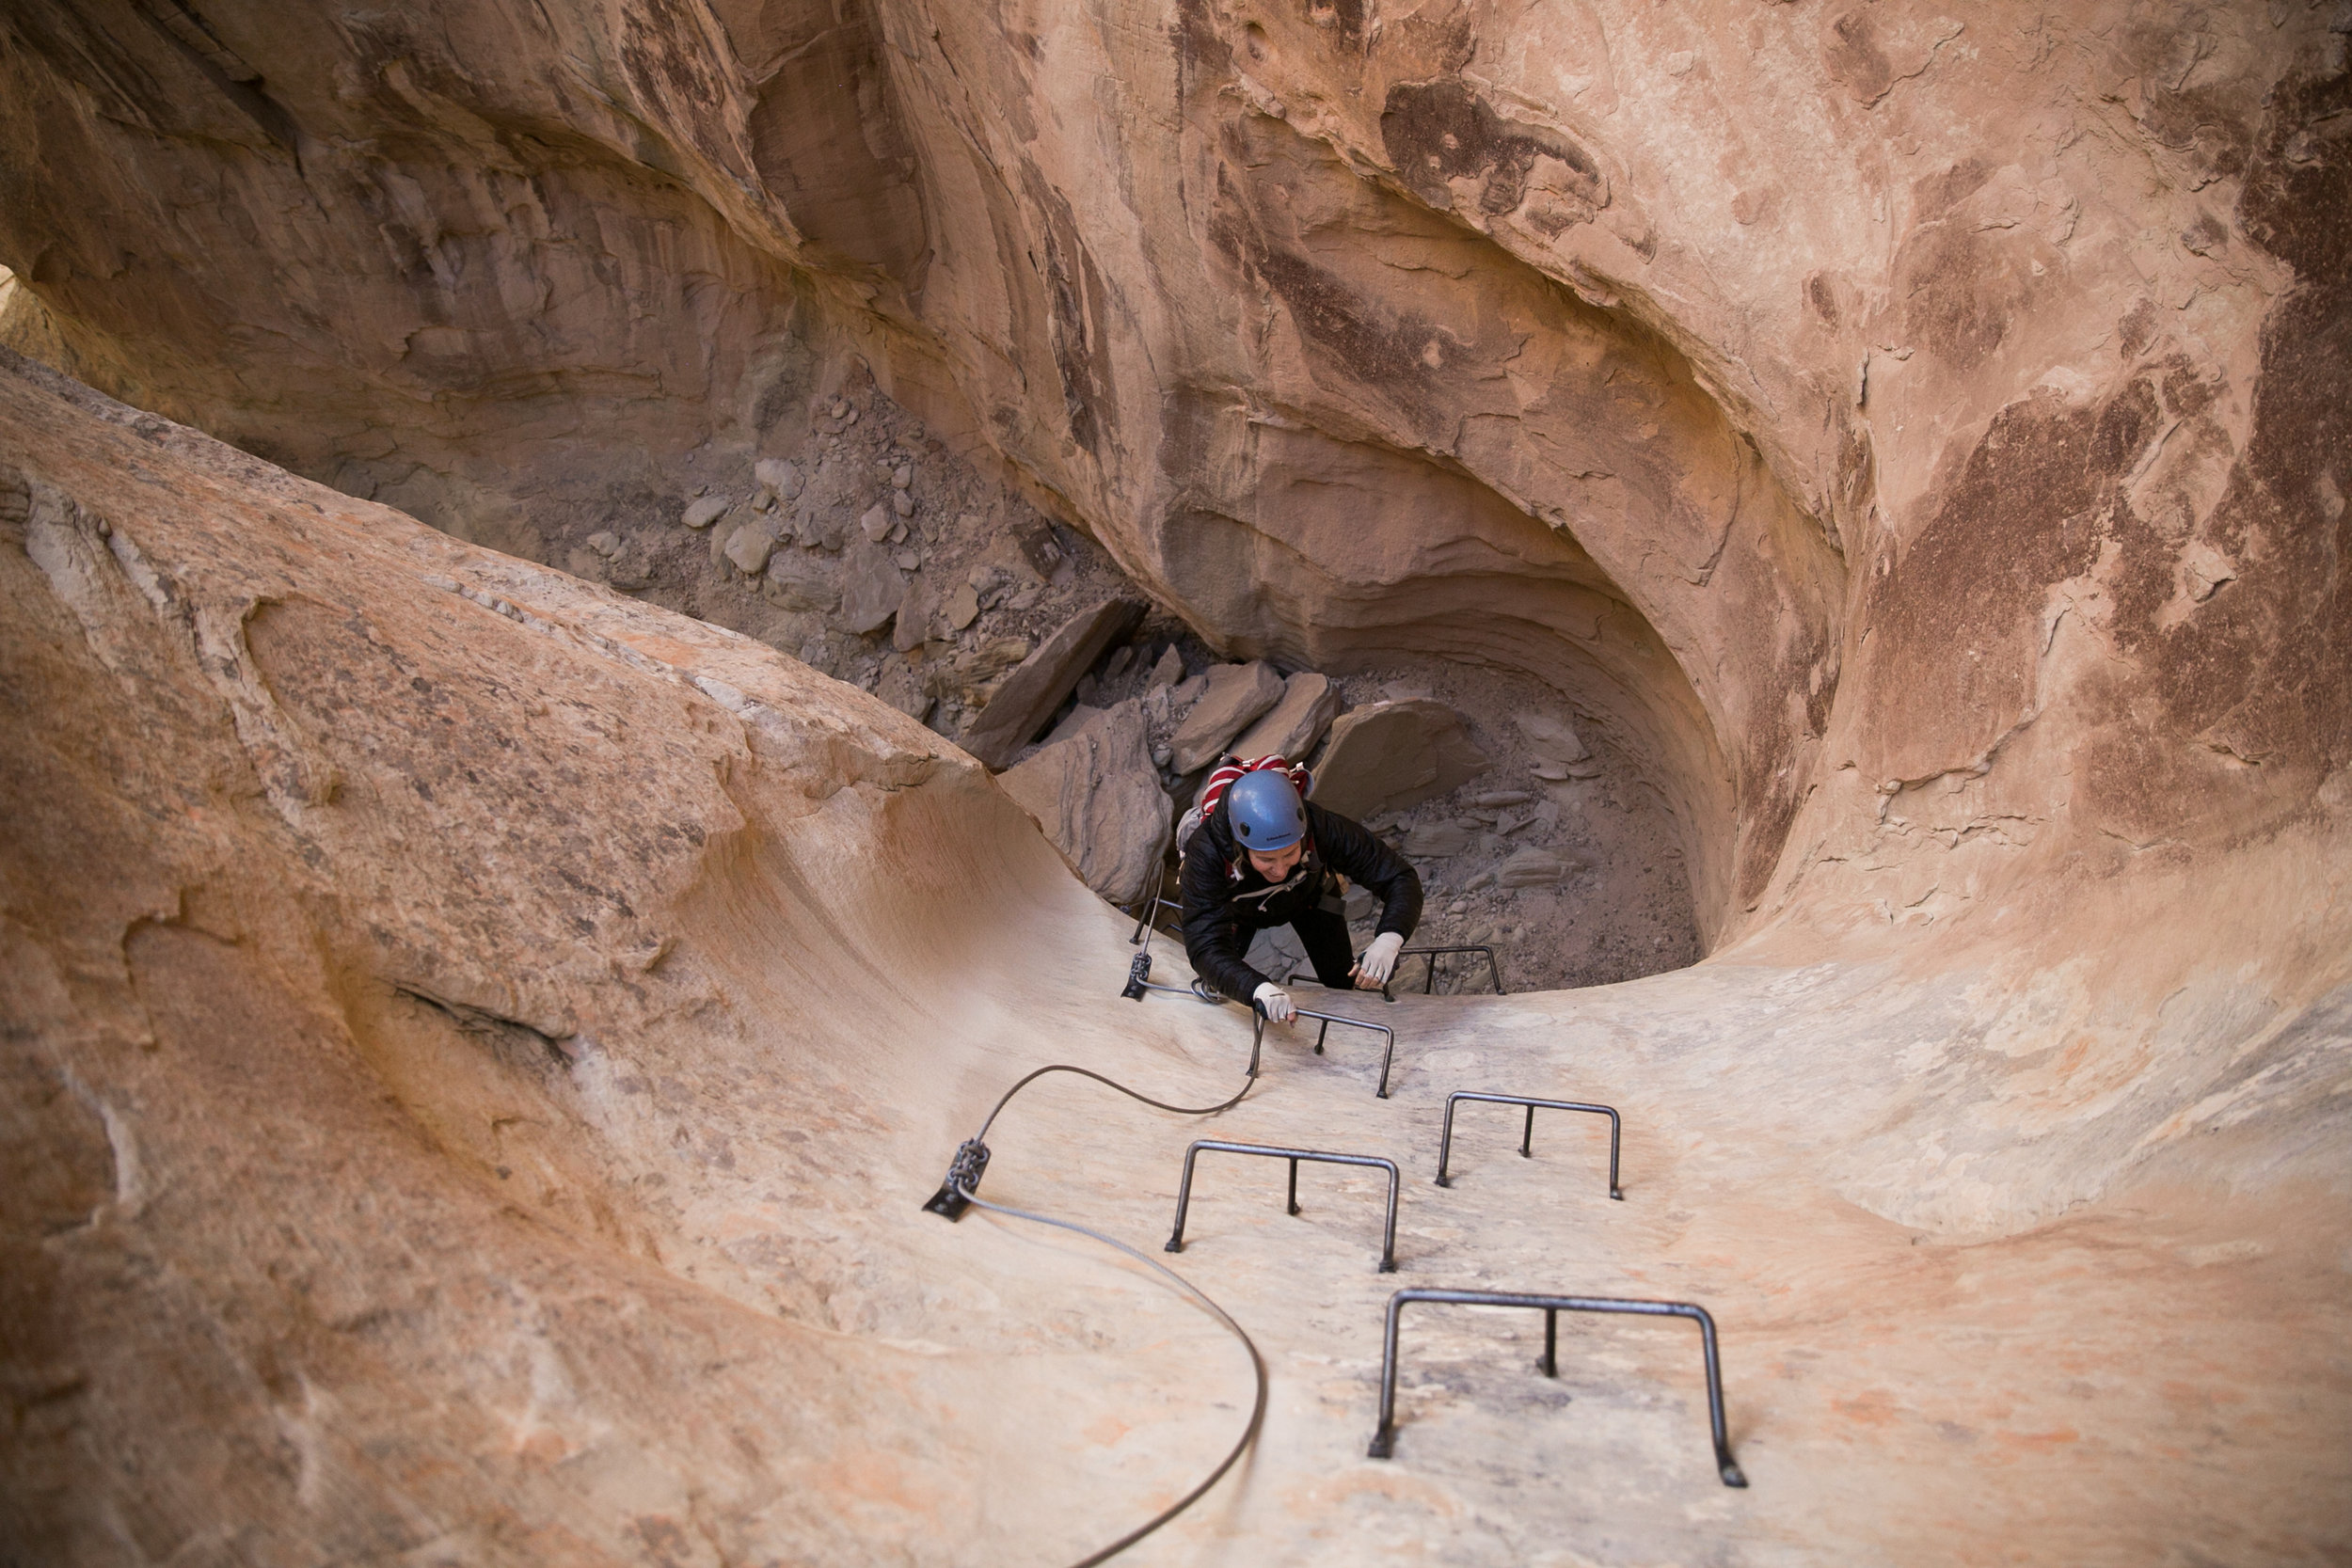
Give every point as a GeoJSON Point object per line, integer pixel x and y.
{"type": "Point", "coordinates": [1184, 1190]}
{"type": "Point", "coordinates": [1429, 982]}
{"type": "Point", "coordinates": [1527, 1140]}
{"type": "Point", "coordinates": [1139, 983]}
{"type": "Point", "coordinates": [1257, 1038]}
{"type": "Point", "coordinates": [1384, 1440]}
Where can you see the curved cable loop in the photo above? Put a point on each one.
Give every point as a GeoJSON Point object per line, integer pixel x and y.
{"type": "Point", "coordinates": [1112, 1082]}
{"type": "Point", "coordinates": [1257, 1362]}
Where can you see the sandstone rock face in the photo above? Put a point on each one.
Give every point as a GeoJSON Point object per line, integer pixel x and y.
{"type": "Point", "coordinates": [1389, 755]}
{"type": "Point", "coordinates": [1099, 799]}
{"type": "Point", "coordinates": [1234, 697]}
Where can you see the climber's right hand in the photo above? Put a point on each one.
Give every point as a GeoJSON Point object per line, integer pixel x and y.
{"type": "Point", "coordinates": [1273, 1001]}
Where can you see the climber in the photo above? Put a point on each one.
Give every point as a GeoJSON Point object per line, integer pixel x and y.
{"type": "Point", "coordinates": [1263, 857]}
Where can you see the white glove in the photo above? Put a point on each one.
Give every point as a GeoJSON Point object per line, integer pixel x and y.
{"type": "Point", "coordinates": [1379, 961]}
{"type": "Point", "coordinates": [1276, 1002]}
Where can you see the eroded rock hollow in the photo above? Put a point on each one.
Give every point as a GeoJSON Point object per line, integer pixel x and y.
{"type": "Point", "coordinates": [526, 854]}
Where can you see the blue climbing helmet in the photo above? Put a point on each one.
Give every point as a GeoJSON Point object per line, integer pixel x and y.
{"type": "Point", "coordinates": [1266, 811]}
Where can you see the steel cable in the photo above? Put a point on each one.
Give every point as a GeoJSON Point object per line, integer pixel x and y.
{"type": "Point", "coordinates": [981, 1135]}
{"type": "Point", "coordinates": [1257, 1362]}
{"type": "Point", "coordinates": [1257, 1366]}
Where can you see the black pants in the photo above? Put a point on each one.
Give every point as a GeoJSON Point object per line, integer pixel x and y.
{"type": "Point", "coordinates": [1323, 935]}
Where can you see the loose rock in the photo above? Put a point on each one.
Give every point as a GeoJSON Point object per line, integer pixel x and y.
{"type": "Point", "coordinates": [876, 523]}
{"type": "Point", "coordinates": [918, 610]}
{"type": "Point", "coordinates": [748, 547]}
{"type": "Point", "coordinates": [802, 582]}
{"type": "Point", "coordinates": [1560, 752]}
{"type": "Point", "coordinates": [778, 477]}
{"type": "Point", "coordinates": [1536, 868]}
{"type": "Point", "coordinates": [707, 510]}
{"type": "Point", "coordinates": [1236, 694]}
{"type": "Point", "coordinates": [963, 607]}
{"type": "Point", "coordinates": [902, 688]}
{"type": "Point", "coordinates": [1437, 840]}
{"type": "Point", "coordinates": [824, 527]}
{"type": "Point", "coordinates": [871, 588]}
{"type": "Point", "coordinates": [1167, 671]}
{"type": "Point", "coordinates": [1296, 725]}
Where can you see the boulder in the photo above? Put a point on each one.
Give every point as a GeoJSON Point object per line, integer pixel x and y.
{"type": "Point", "coordinates": [1294, 726]}
{"type": "Point", "coordinates": [871, 588]}
{"type": "Point", "coordinates": [1097, 798]}
{"type": "Point", "coordinates": [1236, 694]}
{"type": "Point", "coordinates": [1390, 755]}
{"type": "Point", "coordinates": [1031, 693]}
{"type": "Point", "coordinates": [1079, 717]}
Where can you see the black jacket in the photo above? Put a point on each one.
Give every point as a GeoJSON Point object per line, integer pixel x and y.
{"type": "Point", "coordinates": [1222, 910]}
